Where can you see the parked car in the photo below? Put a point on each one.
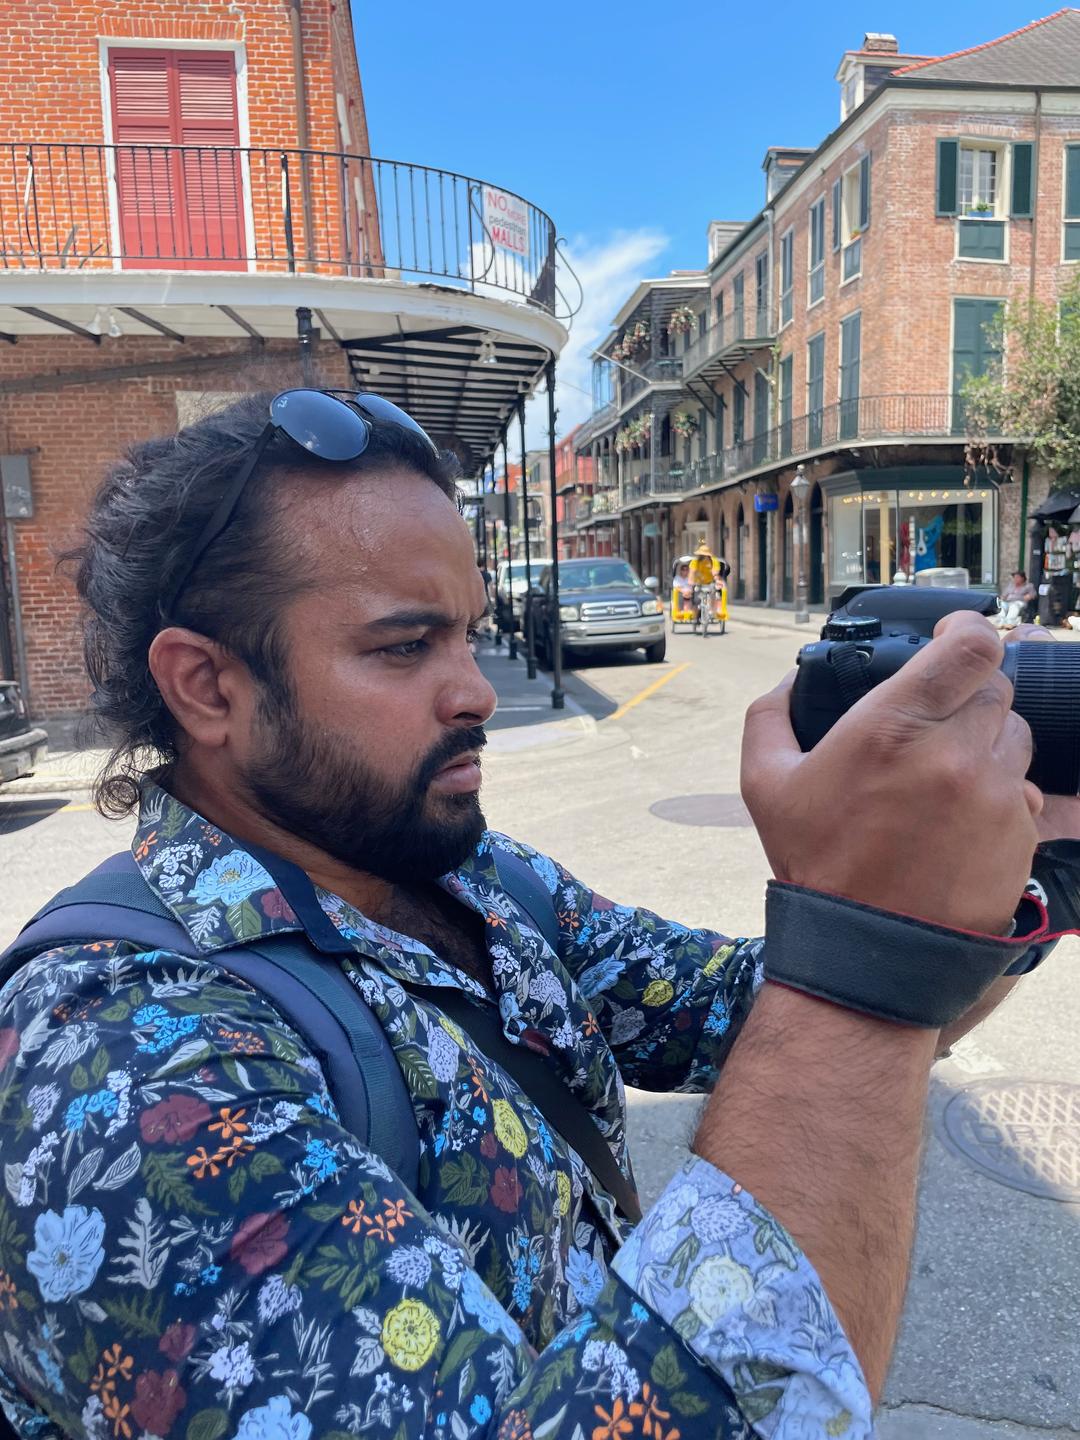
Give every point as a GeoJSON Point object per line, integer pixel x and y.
{"type": "Point", "coordinates": [503, 585]}
{"type": "Point", "coordinates": [603, 605]}
{"type": "Point", "coordinates": [21, 746]}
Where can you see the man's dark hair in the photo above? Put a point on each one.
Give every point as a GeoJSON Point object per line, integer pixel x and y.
{"type": "Point", "coordinates": [143, 522]}
{"type": "Point", "coordinates": [1020, 573]}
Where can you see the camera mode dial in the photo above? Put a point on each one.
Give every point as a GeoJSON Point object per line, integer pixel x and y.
{"type": "Point", "coordinates": [853, 628]}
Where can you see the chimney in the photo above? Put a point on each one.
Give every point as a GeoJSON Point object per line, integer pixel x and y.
{"type": "Point", "coordinates": [877, 44]}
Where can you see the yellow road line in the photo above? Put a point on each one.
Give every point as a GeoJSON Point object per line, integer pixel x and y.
{"type": "Point", "coordinates": [649, 690]}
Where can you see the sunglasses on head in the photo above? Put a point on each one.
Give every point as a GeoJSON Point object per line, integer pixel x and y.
{"type": "Point", "coordinates": [335, 425]}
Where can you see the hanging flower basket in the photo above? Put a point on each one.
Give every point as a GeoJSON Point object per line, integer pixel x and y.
{"type": "Point", "coordinates": [684, 424]}
{"type": "Point", "coordinates": [682, 320]}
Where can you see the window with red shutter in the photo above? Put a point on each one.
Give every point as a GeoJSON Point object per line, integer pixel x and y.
{"type": "Point", "coordinates": [178, 173]}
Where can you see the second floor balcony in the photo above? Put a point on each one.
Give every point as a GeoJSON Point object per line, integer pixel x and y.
{"type": "Point", "coordinates": [441, 288]}
{"type": "Point", "coordinates": [861, 419]}
{"type": "Point", "coordinates": [729, 340]}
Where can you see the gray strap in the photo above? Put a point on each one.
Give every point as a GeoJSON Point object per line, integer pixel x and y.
{"type": "Point", "coordinates": [893, 966]}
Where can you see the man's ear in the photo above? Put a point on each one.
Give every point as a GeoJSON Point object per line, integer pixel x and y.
{"type": "Point", "coordinates": [201, 683]}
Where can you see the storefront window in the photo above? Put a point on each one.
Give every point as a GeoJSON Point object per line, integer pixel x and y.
{"type": "Point", "coordinates": [948, 529]}
{"type": "Point", "coordinates": [845, 540]}
{"type": "Point", "coordinates": [875, 534]}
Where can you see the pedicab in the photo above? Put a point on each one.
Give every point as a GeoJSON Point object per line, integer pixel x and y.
{"type": "Point", "coordinates": [694, 609]}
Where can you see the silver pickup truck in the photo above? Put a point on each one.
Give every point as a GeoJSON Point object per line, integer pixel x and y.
{"type": "Point", "coordinates": [21, 746]}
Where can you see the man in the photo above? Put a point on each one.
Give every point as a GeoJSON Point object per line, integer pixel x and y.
{"type": "Point", "coordinates": [278, 632]}
{"type": "Point", "coordinates": [1018, 600]}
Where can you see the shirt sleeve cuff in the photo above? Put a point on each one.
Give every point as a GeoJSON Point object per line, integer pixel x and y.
{"type": "Point", "coordinates": [724, 1274]}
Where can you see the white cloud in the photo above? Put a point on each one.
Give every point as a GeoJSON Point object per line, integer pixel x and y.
{"type": "Point", "coordinates": [608, 271]}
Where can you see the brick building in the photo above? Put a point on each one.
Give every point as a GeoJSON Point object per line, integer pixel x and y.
{"type": "Point", "coordinates": [189, 207]}
{"type": "Point", "coordinates": [834, 330]}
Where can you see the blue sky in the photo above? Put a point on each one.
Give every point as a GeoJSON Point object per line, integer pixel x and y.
{"type": "Point", "coordinates": [631, 131]}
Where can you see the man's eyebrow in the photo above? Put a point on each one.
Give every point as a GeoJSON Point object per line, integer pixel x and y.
{"type": "Point", "coordinates": [420, 620]}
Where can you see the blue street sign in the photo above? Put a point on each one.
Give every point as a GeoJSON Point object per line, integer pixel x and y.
{"type": "Point", "coordinates": [766, 502]}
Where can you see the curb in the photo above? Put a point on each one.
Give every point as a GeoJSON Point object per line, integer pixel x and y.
{"type": "Point", "coordinates": [47, 785]}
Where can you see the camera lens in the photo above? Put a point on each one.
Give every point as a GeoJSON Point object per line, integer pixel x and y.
{"type": "Point", "coordinates": [1046, 693]}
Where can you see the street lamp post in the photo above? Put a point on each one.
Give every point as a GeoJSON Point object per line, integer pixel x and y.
{"type": "Point", "coordinates": [800, 489]}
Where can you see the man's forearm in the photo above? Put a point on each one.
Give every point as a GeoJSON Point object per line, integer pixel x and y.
{"type": "Point", "coordinates": [819, 1113]}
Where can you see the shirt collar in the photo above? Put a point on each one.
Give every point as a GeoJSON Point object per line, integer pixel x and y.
{"type": "Point", "coordinates": [227, 892]}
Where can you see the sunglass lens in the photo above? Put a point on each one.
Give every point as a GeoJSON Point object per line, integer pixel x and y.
{"type": "Point", "coordinates": [321, 423]}
{"type": "Point", "coordinates": [385, 410]}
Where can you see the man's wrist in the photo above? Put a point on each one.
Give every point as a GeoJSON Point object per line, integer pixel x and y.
{"type": "Point", "coordinates": [894, 967]}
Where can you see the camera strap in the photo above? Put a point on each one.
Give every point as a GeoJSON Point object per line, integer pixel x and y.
{"type": "Point", "coordinates": [895, 967]}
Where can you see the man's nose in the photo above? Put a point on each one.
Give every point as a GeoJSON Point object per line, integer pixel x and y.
{"type": "Point", "coordinates": [470, 697]}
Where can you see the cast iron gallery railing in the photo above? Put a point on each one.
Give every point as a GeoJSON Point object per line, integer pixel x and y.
{"type": "Point", "coordinates": [866, 418]}
{"type": "Point", "coordinates": [206, 207]}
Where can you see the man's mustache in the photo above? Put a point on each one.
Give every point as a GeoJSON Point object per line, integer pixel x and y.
{"type": "Point", "coordinates": [457, 743]}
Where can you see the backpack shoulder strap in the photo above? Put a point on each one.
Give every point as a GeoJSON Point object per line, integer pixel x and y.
{"type": "Point", "coordinates": [523, 885]}
{"type": "Point", "coordinates": [312, 992]}
{"type": "Point", "coordinates": [362, 1072]}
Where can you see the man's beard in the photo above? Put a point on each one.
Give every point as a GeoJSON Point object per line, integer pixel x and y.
{"type": "Point", "coordinates": [308, 782]}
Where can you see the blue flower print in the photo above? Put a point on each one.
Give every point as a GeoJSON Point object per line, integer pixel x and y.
{"type": "Point", "coordinates": [719, 1017]}
{"type": "Point", "coordinates": [231, 879]}
{"type": "Point", "coordinates": [600, 977]}
{"type": "Point", "coordinates": [274, 1421]}
{"type": "Point", "coordinates": [67, 1251]}
{"type": "Point", "coordinates": [321, 1157]}
{"type": "Point", "coordinates": [75, 1114]}
{"type": "Point", "coordinates": [479, 1114]}
{"type": "Point", "coordinates": [585, 1276]}
{"type": "Point", "coordinates": [480, 1409]}
{"type": "Point", "coordinates": [490, 1316]}
{"type": "Point", "coordinates": [168, 1031]}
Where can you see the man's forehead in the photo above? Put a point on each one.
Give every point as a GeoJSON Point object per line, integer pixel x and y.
{"type": "Point", "coordinates": [384, 537]}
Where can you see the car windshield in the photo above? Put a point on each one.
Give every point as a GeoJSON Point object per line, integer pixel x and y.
{"type": "Point", "coordinates": [597, 575]}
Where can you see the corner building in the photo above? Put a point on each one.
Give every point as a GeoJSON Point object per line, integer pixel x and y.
{"type": "Point", "coordinates": [836, 328]}
{"type": "Point", "coordinates": [189, 207]}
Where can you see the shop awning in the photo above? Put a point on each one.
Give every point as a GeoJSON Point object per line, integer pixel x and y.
{"type": "Point", "coordinates": [1058, 506]}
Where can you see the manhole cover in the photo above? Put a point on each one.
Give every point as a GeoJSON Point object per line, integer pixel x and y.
{"type": "Point", "coordinates": [1025, 1134]}
{"type": "Point", "coordinates": [720, 810]}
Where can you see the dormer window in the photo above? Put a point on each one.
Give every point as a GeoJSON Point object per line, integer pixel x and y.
{"type": "Point", "coordinates": [852, 96]}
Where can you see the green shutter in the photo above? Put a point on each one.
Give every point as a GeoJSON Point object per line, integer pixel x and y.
{"type": "Point", "coordinates": [1022, 175]}
{"type": "Point", "coordinates": [1072, 182]}
{"type": "Point", "coordinates": [948, 161]}
{"type": "Point", "coordinates": [864, 192]}
{"type": "Point", "coordinates": [836, 215]}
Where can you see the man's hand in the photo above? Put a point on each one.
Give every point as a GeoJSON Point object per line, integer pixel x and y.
{"type": "Point", "coordinates": [916, 800]}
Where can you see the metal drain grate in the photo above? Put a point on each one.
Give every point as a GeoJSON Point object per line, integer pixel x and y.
{"type": "Point", "coordinates": [1025, 1134]}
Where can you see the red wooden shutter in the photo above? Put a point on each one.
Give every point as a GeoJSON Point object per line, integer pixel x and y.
{"type": "Point", "coordinates": [206, 117]}
{"type": "Point", "coordinates": [150, 223]}
{"type": "Point", "coordinates": [182, 206]}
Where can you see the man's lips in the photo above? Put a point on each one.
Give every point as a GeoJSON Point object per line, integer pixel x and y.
{"type": "Point", "coordinates": [460, 775]}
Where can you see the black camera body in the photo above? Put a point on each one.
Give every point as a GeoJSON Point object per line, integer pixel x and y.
{"type": "Point", "coordinates": [873, 632]}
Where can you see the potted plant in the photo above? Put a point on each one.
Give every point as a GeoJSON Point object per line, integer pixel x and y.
{"type": "Point", "coordinates": [682, 320]}
{"type": "Point", "coordinates": [684, 424]}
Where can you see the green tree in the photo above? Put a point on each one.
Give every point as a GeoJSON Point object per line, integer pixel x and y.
{"type": "Point", "coordinates": [1033, 393]}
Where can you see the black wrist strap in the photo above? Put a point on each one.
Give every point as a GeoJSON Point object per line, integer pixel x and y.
{"type": "Point", "coordinates": [895, 967]}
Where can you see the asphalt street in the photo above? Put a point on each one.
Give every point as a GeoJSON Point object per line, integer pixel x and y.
{"type": "Point", "coordinates": [637, 793]}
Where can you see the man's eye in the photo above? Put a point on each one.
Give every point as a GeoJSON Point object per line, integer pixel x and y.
{"type": "Point", "coordinates": [408, 650]}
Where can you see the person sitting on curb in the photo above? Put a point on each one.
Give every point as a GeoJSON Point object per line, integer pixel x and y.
{"type": "Point", "coordinates": [196, 1241]}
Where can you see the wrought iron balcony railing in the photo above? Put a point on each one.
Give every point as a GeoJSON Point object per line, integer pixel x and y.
{"type": "Point", "coordinates": [863, 418]}
{"type": "Point", "coordinates": [206, 207]}
{"type": "Point", "coordinates": [749, 328]}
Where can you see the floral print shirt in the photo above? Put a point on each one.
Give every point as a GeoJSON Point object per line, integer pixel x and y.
{"type": "Point", "coordinates": [192, 1245]}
